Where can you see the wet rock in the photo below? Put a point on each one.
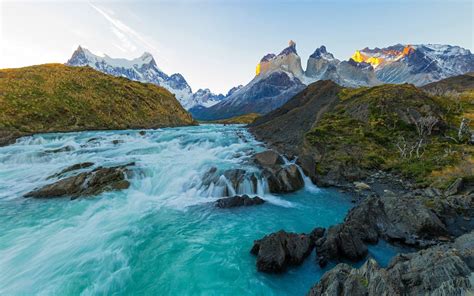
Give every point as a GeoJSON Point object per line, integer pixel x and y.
{"type": "Point", "coordinates": [230, 180]}
{"type": "Point", "coordinates": [235, 176]}
{"type": "Point", "coordinates": [116, 142]}
{"type": "Point", "coordinates": [238, 201]}
{"type": "Point", "coordinates": [277, 251]}
{"type": "Point", "coordinates": [59, 150]}
{"type": "Point", "coordinates": [85, 184]}
{"type": "Point", "coordinates": [284, 179]}
{"type": "Point", "coordinates": [396, 219]}
{"type": "Point", "coordinates": [281, 178]}
{"type": "Point", "coordinates": [210, 176]}
{"type": "Point", "coordinates": [439, 270]}
{"type": "Point", "coordinates": [307, 164]}
{"type": "Point", "coordinates": [72, 168]}
{"type": "Point", "coordinates": [142, 133]}
{"type": "Point", "coordinates": [317, 233]}
{"type": "Point", "coordinates": [268, 158]}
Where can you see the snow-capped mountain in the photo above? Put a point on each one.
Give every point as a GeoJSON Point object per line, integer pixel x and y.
{"type": "Point", "coordinates": [278, 78]}
{"type": "Point", "coordinates": [417, 64]}
{"type": "Point", "coordinates": [322, 65]}
{"type": "Point", "coordinates": [145, 69]}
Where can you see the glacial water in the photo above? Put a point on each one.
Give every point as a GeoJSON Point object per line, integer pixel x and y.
{"type": "Point", "coordinates": [162, 236]}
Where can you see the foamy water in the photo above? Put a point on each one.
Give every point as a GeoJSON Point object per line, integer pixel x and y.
{"type": "Point", "coordinates": [162, 236]}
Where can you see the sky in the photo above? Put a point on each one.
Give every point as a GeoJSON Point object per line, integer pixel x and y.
{"type": "Point", "coordinates": [216, 44]}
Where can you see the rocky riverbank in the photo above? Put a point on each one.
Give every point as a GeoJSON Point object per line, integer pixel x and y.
{"type": "Point", "coordinates": [417, 194]}
{"type": "Point", "coordinates": [445, 269]}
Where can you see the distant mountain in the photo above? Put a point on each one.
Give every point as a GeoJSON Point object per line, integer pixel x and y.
{"type": "Point", "coordinates": [145, 69]}
{"type": "Point", "coordinates": [322, 65]}
{"type": "Point", "coordinates": [278, 78]}
{"type": "Point", "coordinates": [56, 97]}
{"type": "Point", "coordinates": [416, 64]}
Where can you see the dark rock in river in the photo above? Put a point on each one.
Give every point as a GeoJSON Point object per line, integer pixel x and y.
{"type": "Point", "coordinates": [72, 168]}
{"type": "Point", "coordinates": [59, 150]}
{"type": "Point", "coordinates": [277, 251]}
{"type": "Point", "coordinates": [235, 176]}
{"type": "Point", "coordinates": [268, 158]}
{"type": "Point", "coordinates": [229, 178]}
{"type": "Point", "coordinates": [390, 217]}
{"type": "Point", "coordinates": [87, 183]}
{"type": "Point", "coordinates": [238, 201]}
{"type": "Point", "coordinates": [284, 179]}
{"type": "Point", "coordinates": [281, 178]}
{"type": "Point", "coordinates": [439, 270]}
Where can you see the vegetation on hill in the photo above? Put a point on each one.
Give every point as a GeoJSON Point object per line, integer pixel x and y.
{"type": "Point", "coordinates": [55, 97]}
{"type": "Point", "coordinates": [396, 128]}
{"type": "Point", "coordinates": [241, 119]}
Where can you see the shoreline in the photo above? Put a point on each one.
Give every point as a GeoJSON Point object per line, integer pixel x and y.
{"type": "Point", "coordinates": [10, 137]}
{"type": "Point", "coordinates": [377, 185]}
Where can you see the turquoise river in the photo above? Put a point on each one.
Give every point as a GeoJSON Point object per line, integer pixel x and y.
{"type": "Point", "coordinates": [163, 235]}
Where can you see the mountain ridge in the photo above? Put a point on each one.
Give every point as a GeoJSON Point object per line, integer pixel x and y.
{"type": "Point", "coordinates": [417, 64]}
{"type": "Point", "coordinates": [145, 69]}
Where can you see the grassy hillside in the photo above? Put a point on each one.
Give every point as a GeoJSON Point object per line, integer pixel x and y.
{"type": "Point", "coordinates": [397, 128]}
{"type": "Point", "coordinates": [55, 97]}
{"type": "Point", "coordinates": [242, 119]}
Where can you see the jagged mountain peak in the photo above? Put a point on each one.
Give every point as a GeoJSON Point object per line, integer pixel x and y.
{"type": "Point", "coordinates": [267, 57]}
{"type": "Point", "coordinates": [322, 52]}
{"type": "Point", "coordinates": [287, 60]}
{"type": "Point", "coordinates": [290, 49]}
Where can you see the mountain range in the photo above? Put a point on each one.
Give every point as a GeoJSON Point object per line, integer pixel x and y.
{"type": "Point", "coordinates": [280, 76]}
{"type": "Point", "coordinates": [145, 69]}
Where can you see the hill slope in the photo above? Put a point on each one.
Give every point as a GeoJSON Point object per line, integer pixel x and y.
{"type": "Point", "coordinates": [55, 97]}
{"type": "Point", "coordinates": [285, 127]}
{"type": "Point", "coordinates": [347, 133]}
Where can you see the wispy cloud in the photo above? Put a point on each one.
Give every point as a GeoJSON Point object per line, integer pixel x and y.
{"type": "Point", "coordinates": [127, 36]}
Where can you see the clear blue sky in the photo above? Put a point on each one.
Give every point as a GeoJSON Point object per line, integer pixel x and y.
{"type": "Point", "coordinates": [216, 44]}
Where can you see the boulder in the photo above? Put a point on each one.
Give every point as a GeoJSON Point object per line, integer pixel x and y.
{"type": "Point", "coordinates": [401, 219]}
{"type": "Point", "coordinates": [308, 165]}
{"type": "Point", "coordinates": [439, 270]}
{"type": "Point", "coordinates": [59, 150]}
{"type": "Point", "coordinates": [85, 184]}
{"type": "Point", "coordinates": [74, 167]}
{"type": "Point", "coordinates": [238, 201]}
{"type": "Point", "coordinates": [279, 250]}
{"type": "Point", "coordinates": [235, 176]}
{"type": "Point", "coordinates": [268, 158]}
{"type": "Point", "coordinates": [229, 178]}
{"type": "Point", "coordinates": [284, 179]}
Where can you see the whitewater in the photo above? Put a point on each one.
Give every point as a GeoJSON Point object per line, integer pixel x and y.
{"type": "Point", "coordinates": [163, 235]}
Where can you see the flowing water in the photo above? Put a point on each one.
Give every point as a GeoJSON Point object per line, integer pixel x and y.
{"type": "Point", "coordinates": [162, 236]}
